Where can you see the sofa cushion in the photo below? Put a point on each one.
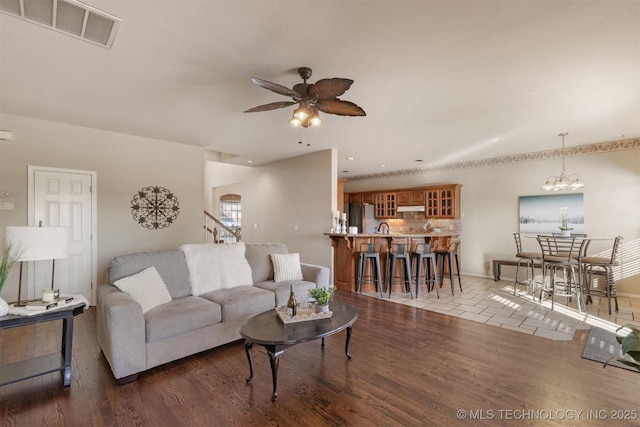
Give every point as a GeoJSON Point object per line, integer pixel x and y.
{"type": "Point", "coordinates": [170, 265]}
{"type": "Point", "coordinates": [212, 267]}
{"type": "Point", "coordinates": [286, 267]}
{"type": "Point", "coordinates": [146, 287]}
{"type": "Point", "coordinates": [242, 301]}
{"type": "Point", "coordinates": [258, 255]}
{"type": "Point", "coordinates": [180, 316]}
{"type": "Point", "coordinates": [300, 288]}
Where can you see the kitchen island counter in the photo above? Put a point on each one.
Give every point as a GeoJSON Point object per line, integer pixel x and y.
{"type": "Point", "coordinates": [347, 246]}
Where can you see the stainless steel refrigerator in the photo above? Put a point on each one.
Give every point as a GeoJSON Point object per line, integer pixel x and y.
{"type": "Point", "coordinates": [361, 216]}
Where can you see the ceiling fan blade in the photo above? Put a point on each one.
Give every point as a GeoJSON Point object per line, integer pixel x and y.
{"type": "Point", "coordinates": [271, 106]}
{"type": "Point", "coordinates": [340, 108]}
{"type": "Point", "coordinates": [275, 87]}
{"type": "Point", "coordinates": [329, 88]}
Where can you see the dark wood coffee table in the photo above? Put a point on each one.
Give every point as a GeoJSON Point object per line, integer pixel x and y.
{"type": "Point", "coordinates": [268, 330]}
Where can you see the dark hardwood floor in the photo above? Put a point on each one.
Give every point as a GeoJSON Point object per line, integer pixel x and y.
{"type": "Point", "coordinates": [409, 367]}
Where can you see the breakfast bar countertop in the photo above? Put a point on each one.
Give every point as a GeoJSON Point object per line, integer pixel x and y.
{"type": "Point", "coordinates": [433, 234]}
{"type": "Point", "coordinates": [347, 249]}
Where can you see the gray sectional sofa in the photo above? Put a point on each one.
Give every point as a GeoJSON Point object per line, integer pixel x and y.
{"type": "Point", "coordinates": [133, 341]}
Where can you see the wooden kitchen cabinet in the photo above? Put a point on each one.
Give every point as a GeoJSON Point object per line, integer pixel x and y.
{"type": "Point", "coordinates": [443, 201]}
{"type": "Point", "coordinates": [440, 201]}
{"type": "Point", "coordinates": [384, 205]}
{"type": "Point", "coordinates": [410, 198]}
{"type": "Point", "coordinates": [361, 198]}
{"type": "Point", "coordinates": [367, 198]}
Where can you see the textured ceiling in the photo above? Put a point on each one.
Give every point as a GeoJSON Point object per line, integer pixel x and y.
{"type": "Point", "coordinates": [441, 81]}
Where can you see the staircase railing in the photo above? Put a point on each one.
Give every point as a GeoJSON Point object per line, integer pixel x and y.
{"type": "Point", "coordinates": [217, 232]}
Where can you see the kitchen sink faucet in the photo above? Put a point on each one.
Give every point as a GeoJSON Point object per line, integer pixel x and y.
{"type": "Point", "coordinates": [379, 230]}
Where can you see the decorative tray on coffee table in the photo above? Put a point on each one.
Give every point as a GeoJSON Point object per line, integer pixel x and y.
{"type": "Point", "coordinates": [303, 314]}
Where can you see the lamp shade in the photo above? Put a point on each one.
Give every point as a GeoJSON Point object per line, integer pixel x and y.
{"type": "Point", "coordinates": [39, 243]}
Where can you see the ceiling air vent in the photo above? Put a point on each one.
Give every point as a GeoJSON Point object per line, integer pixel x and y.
{"type": "Point", "coordinates": [67, 16]}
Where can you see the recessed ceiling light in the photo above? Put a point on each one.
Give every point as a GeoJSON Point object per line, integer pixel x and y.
{"type": "Point", "coordinates": [382, 166]}
{"type": "Point", "coordinates": [351, 158]}
{"type": "Point", "coordinates": [249, 161]}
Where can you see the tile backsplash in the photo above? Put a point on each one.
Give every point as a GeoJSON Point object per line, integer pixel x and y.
{"type": "Point", "coordinates": [416, 224]}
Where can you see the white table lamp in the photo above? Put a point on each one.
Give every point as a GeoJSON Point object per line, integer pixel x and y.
{"type": "Point", "coordinates": [36, 244]}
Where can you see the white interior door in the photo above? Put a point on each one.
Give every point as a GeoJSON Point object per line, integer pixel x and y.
{"type": "Point", "coordinates": [64, 198]}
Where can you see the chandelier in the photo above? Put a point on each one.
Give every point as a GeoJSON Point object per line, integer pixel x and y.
{"type": "Point", "coordinates": [563, 181]}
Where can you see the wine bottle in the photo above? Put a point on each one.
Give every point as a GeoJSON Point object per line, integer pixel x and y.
{"type": "Point", "coordinates": [291, 304]}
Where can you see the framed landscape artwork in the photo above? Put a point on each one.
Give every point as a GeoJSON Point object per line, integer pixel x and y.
{"type": "Point", "coordinates": [542, 214]}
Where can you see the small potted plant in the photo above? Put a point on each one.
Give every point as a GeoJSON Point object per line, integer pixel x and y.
{"type": "Point", "coordinates": [565, 230]}
{"type": "Point", "coordinates": [630, 345]}
{"type": "Point", "coordinates": [10, 256]}
{"type": "Point", "coordinates": [322, 297]}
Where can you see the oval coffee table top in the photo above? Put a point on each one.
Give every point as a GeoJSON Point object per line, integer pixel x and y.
{"type": "Point", "coordinates": [267, 328]}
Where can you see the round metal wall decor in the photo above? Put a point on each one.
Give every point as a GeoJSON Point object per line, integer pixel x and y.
{"type": "Point", "coordinates": [155, 207]}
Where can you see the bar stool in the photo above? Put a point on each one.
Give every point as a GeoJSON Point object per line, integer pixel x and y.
{"type": "Point", "coordinates": [447, 256]}
{"type": "Point", "coordinates": [560, 256]}
{"type": "Point", "coordinates": [423, 252]}
{"type": "Point", "coordinates": [589, 263]}
{"type": "Point", "coordinates": [529, 259]}
{"type": "Point", "coordinates": [399, 252]}
{"type": "Point", "coordinates": [370, 251]}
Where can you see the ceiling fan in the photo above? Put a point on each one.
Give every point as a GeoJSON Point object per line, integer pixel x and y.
{"type": "Point", "coordinates": [312, 97]}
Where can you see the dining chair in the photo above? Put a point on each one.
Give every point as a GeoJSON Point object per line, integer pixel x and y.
{"type": "Point", "coordinates": [529, 258]}
{"type": "Point", "coordinates": [560, 257]}
{"type": "Point", "coordinates": [605, 265]}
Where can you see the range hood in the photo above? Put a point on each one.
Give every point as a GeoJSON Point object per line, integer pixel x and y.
{"type": "Point", "coordinates": [419, 208]}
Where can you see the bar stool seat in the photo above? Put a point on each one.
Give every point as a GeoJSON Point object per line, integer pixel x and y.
{"type": "Point", "coordinates": [399, 252]}
{"type": "Point", "coordinates": [605, 265]}
{"type": "Point", "coordinates": [370, 251]}
{"type": "Point", "coordinates": [529, 259]}
{"type": "Point", "coordinates": [560, 261]}
{"type": "Point", "coordinates": [448, 256]}
{"type": "Point", "coordinates": [423, 252]}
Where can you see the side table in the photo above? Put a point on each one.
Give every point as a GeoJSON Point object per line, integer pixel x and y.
{"type": "Point", "coordinates": [19, 371]}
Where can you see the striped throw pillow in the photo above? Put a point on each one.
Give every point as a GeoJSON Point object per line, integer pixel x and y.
{"type": "Point", "coordinates": [286, 267]}
{"type": "Point", "coordinates": [146, 287]}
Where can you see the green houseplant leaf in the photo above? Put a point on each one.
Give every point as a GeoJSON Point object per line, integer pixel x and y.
{"type": "Point", "coordinates": [630, 344]}
{"type": "Point", "coordinates": [10, 255]}
{"type": "Point", "coordinates": [322, 295]}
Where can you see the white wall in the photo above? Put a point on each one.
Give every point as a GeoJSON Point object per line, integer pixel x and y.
{"type": "Point", "coordinates": [295, 192]}
{"type": "Point", "coordinates": [124, 164]}
{"type": "Point", "coordinates": [490, 205]}
{"type": "Point", "coordinates": [218, 175]}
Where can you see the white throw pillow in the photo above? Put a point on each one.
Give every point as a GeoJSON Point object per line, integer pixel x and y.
{"type": "Point", "coordinates": [286, 267]}
{"type": "Point", "coordinates": [212, 267]}
{"type": "Point", "coordinates": [146, 287]}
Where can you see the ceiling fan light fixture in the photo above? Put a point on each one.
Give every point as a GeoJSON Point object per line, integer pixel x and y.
{"type": "Point", "coordinates": [312, 97]}
{"type": "Point", "coordinates": [315, 119]}
{"type": "Point", "coordinates": [301, 113]}
{"type": "Point", "coordinates": [295, 122]}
